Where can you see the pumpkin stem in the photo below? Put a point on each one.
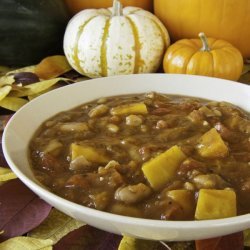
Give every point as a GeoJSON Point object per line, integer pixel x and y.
{"type": "Point", "coordinates": [204, 41]}
{"type": "Point", "coordinates": [117, 8]}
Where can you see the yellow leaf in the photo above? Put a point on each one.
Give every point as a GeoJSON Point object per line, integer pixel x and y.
{"type": "Point", "coordinates": [52, 66]}
{"type": "Point", "coordinates": [26, 243]}
{"type": "Point", "coordinates": [56, 226]}
{"type": "Point", "coordinates": [24, 69]}
{"type": "Point", "coordinates": [35, 88]}
{"type": "Point", "coordinates": [31, 97]}
{"type": "Point", "coordinates": [6, 80]}
{"type": "Point", "coordinates": [12, 103]}
{"type": "Point", "coordinates": [4, 91]}
{"type": "Point", "coordinates": [247, 238]}
{"type": "Point", "coordinates": [6, 174]}
{"type": "Point", "coordinates": [129, 243]}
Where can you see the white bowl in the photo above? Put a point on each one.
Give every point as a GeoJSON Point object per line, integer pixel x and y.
{"type": "Point", "coordinates": [24, 123]}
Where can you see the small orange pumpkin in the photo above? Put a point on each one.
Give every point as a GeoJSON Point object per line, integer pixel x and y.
{"type": "Point", "coordinates": [204, 56]}
{"type": "Point", "coordinates": [77, 5]}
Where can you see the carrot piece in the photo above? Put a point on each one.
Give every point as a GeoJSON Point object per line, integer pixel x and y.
{"type": "Point", "coordinates": [233, 241]}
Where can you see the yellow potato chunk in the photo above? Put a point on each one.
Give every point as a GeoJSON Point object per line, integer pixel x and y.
{"type": "Point", "coordinates": [162, 168]}
{"type": "Point", "coordinates": [211, 145]}
{"type": "Point", "coordinates": [184, 198]}
{"type": "Point", "coordinates": [132, 108]}
{"type": "Point", "coordinates": [91, 154]}
{"type": "Point", "coordinates": [215, 204]}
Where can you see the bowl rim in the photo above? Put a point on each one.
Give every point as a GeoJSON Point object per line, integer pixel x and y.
{"type": "Point", "coordinates": [185, 225]}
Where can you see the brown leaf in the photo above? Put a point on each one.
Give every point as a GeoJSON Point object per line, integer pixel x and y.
{"type": "Point", "coordinates": [20, 209]}
{"type": "Point", "coordinates": [55, 226]}
{"type": "Point", "coordinates": [89, 238]}
{"type": "Point", "coordinates": [52, 67]}
{"type": "Point", "coordinates": [230, 242]}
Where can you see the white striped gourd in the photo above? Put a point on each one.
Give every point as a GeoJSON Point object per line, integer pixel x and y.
{"type": "Point", "coordinates": [115, 41]}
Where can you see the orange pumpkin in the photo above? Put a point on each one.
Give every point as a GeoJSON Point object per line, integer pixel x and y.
{"type": "Point", "coordinates": [204, 56]}
{"type": "Point", "coordinates": [222, 19]}
{"type": "Point", "coordinates": [77, 5]}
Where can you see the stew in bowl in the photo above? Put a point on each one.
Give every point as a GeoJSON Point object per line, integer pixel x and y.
{"type": "Point", "coordinates": [153, 156]}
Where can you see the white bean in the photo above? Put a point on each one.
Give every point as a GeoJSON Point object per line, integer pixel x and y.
{"type": "Point", "coordinates": [132, 193]}
{"type": "Point", "coordinates": [133, 120]}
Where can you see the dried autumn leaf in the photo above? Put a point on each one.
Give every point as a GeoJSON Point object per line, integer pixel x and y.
{"type": "Point", "coordinates": [31, 97]}
{"type": "Point", "coordinates": [247, 238]}
{"type": "Point", "coordinates": [6, 174]}
{"type": "Point", "coordinates": [52, 66]}
{"type": "Point", "coordinates": [26, 243]}
{"type": "Point", "coordinates": [21, 210]}
{"type": "Point", "coordinates": [229, 242]}
{"type": "Point", "coordinates": [6, 80]}
{"type": "Point", "coordinates": [89, 238]}
{"type": "Point", "coordinates": [24, 69]}
{"type": "Point", "coordinates": [56, 226]}
{"type": "Point", "coordinates": [12, 103]}
{"type": "Point", "coordinates": [4, 91]}
{"type": "Point", "coordinates": [35, 88]}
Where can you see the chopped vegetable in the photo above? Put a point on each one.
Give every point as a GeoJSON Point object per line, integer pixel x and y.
{"type": "Point", "coordinates": [133, 108]}
{"type": "Point", "coordinates": [215, 204]}
{"type": "Point", "coordinates": [211, 145]}
{"type": "Point", "coordinates": [74, 127]}
{"type": "Point", "coordinates": [91, 154]}
{"type": "Point", "coordinates": [162, 168]}
{"type": "Point", "coordinates": [184, 198]}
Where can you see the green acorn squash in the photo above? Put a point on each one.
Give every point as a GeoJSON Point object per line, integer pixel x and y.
{"type": "Point", "coordinates": [31, 30]}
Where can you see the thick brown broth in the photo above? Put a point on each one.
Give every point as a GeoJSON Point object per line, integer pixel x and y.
{"type": "Point", "coordinates": [94, 154]}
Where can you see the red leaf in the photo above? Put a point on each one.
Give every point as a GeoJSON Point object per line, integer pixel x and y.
{"type": "Point", "coordinates": [20, 209]}
{"type": "Point", "coordinates": [89, 238]}
{"type": "Point", "coordinates": [228, 242]}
